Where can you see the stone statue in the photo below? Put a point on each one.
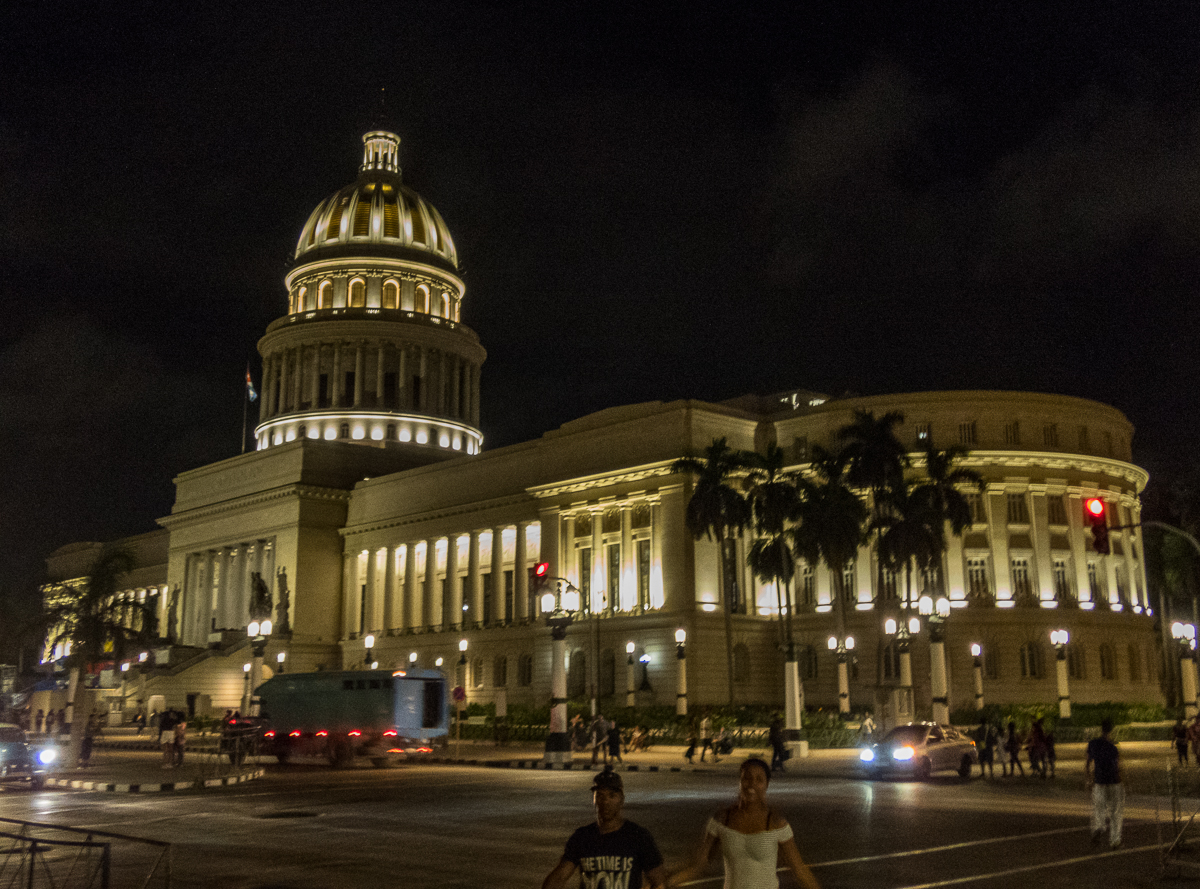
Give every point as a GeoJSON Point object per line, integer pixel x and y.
{"type": "Point", "coordinates": [260, 597]}
{"type": "Point", "coordinates": [281, 610]}
{"type": "Point", "coordinates": [173, 615]}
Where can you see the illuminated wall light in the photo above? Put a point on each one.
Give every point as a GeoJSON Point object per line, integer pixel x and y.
{"type": "Point", "coordinates": [422, 436]}
{"type": "Point", "coordinates": [457, 443]}
{"type": "Point", "coordinates": [708, 606]}
{"type": "Point", "coordinates": [314, 432]}
{"type": "Point", "coordinates": [376, 433]}
{"type": "Point", "coordinates": [290, 435]}
{"type": "Point", "coordinates": [278, 438]}
{"type": "Point", "coordinates": [444, 440]}
{"type": "Point", "coordinates": [405, 433]}
{"type": "Point", "coordinates": [330, 433]}
{"type": "Point", "coordinates": [358, 433]}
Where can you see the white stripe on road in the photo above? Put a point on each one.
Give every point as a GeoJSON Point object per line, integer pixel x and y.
{"type": "Point", "coordinates": [958, 881]}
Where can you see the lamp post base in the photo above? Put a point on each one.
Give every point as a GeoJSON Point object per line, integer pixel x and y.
{"type": "Point", "coordinates": [558, 749]}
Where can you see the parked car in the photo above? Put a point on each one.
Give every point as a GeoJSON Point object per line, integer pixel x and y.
{"type": "Point", "coordinates": [919, 749]}
{"type": "Point", "coordinates": [22, 761]}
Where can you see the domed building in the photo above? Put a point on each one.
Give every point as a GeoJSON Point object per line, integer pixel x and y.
{"type": "Point", "coordinates": [388, 536]}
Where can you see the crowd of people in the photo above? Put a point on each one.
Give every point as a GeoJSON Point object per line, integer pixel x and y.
{"type": "Point", "coordinates": [1038, 746]}
{"type": "Point", "coordinates": [1185, 738]}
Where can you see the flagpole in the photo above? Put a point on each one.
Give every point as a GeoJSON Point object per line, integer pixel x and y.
{"type": "Point", "coordinates": [245, 412]}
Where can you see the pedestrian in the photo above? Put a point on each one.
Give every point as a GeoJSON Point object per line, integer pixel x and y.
{"type": "Point", "coordinates": [166, 726]}
{"type": "Point", "coordinates": [63, 725]}
{"type": "Point", "coordinates": [706, 737]}
{"type": "Point", "coordinates": [1012, 746]}
{"type": "Point", "coordinates": [579, 734]}
{"type": "Point", "coordinates": [691, 742]}
{"type": "Point", "coordinates": [1037, 749]}
{"type": "Point", "coordinates": [89, 738]}
{"type": "Point", "coordinates": [39, 719]}
{"type": "Point", "coordinates": [180, 739]}
{"type": "Point", "coordinates": [139, 720]}
{"type": "Point", "coordinates": [866, 730]}
{"type": "Point", "coordinates": [614, 742]}
{"type": "Point", "coordinates": [754, 839]}
{"type": "Point", "coordinates": [1103, 770]}
{"type": "Point", "coordinates": [1179, 736]}
{"type": "Point", "coordinates": [639, 740]}
{"type": "Point", "coordinates": [1194, 737]}
{"type": "Point", "coordinates": [611, 851]}
{"type": "Point", "coordinates": [599, 738]}
{"type": "Point", "coordinates": [986, 739]}
{"type": "Point", "coordinates": [1051, 753]}
{"type": "Point", "coordinates": [50, 717]}
{"type": "Point", "coordinates": [778, 749]}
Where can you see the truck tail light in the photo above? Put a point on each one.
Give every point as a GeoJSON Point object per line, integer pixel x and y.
{"type": "Point", "coordinates": [294, 733]}
{"type": "Point", "coordinates": [390, 733]}
{"type": "Point", "coordinates": [269, 734]}
{"type": "Point", "coordinates": [354, 733]}
{"type": "Point", "coordinates": [322, 734]}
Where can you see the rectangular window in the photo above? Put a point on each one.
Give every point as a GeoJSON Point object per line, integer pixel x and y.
{"type": "Point", "coordinates": [887, 582]}
{"type": "Point", "coordinates": [1076, 669]}
{"type": "Point", "coordinates": [991, 662]}
{"type": "Point", "coordinates": [348, 387]}
{"type": "Point", "coordinates": [1031, 661]}
{"type": "Point", "coordinates": [1012, 433]}
{"type": "Point", "coordinates": [1108, 662]}
{"type": "Point", "coordinates": [1094, 585]}
{"type": "Point", "coordinates": [1062, 586]}
{"type": "Point", "coordinates": [1020, 578]}
{"type": "Point", "coordinates": [613, 551]}
{"type": "Point", "coordinates": [1083, 438]}
{"type": "Point", "coordinates": [975, 504]}
{"type": "Point", "coordinates": [1018, 510]}
{"type": "Point", "coordinates": [966, 434]}
{"type": "Point", "coordinates": [389, 389]}
{"type": "Point", "coordinates": [643, 574]}
{"type": "Point", "coordinates": [489, 596]}
{"type": "Point", "coordinates": [849, 585]}
{"type": "Point", "coordinates": [509, 592]}
{"type": "Point", "coordinates": [1050, 435]}
{"type": "Point", "coordinates": [525, 670]}
{"type": "Point", "coordinates": [977, 578]}
{"type": "Point", "coordinates": [585, 578]}
{"type": "Point", "coordinates": [924, 434]}
{"type": "Point", "coordinates": [1135, 664]}
{"type": "Point", "coordinates": [891, 661]}
{"type": "Point", "coordinates": [323, 391]}
{"type": "Point", "coordinates": [800, 449]}
{"type": "Point", "coordinates": [1056, 511]}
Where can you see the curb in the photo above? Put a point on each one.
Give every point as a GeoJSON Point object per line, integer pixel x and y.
{"type": "Point", "coordinates": [158, 787]}
{"type": "Point", "coordinates": [538, 764]}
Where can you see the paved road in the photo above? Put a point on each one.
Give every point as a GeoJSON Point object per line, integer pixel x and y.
{"type": "Point", "coordinates": [451, 826]}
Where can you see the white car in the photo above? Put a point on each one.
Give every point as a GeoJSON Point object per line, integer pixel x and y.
{"type": "Point", "coordinates": [919, 749]}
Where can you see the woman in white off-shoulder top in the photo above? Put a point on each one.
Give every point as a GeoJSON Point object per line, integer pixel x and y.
{"type": "Point", "coordinates": [754, 839]}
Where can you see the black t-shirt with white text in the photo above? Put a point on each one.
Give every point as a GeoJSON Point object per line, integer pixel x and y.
{"type": "Point", "coordinates": [613, 860]}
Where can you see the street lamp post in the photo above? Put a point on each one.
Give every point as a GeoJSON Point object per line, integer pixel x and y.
{"type": "Point", "coordinates": [903, 631]}
{"type": "Point", "coordinates": [279, 659]}
{"type": "Point", "coordinates": [462, 703]}
{"type": "Point", "coordinates": [1059, 639]}
{"type": "Point", "coordinates": [559, 606]}
{"type": "Point", "coordinates": [1185, 637]}
{"type": "Point", "coordinates": [630, 672]}
{"type": "Point", "coordinates": [843, 647]}
{"type": "Point", "coordinates": [935, 614]}
{"type": "Point", "coordinates": [681, 659]}
{"type": "Point", "coordinates": [258, 631]}
{"type": "Point", "coordinates": [977, 654]}
{"type": "Point", "coordinates": [645, 661]}
{"type": "Point", "coordinates": [369, 650]}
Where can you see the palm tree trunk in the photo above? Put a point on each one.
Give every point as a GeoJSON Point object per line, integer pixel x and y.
{"type": "Point", "coordinates": [724, 587]}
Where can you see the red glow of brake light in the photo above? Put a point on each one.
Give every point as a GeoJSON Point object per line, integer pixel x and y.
{"type": "Point", "coordinates": [1095, 506]}
{"type": "Point", "coordinates": [400, 673]}
{"type": "Point", "coordinates": [269, 734]}
{"type": "Point", "coordinates": [424, 750]}
{"type": "Point", "coordinates": [395, 750]}
{"type": "Point", "coordinates": [541, 569]}
{"type": "Point", "coordinates": [322, 734]}
{"type": "Point", "coordinates": [294, 733]}
{"type": "Point", "coordinates": [354, 733]}
{"type": "Point", "coordinates": [390, 733]}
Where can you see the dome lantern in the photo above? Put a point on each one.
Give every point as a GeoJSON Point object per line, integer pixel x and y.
{"type": "Point", "coordinates": [381, 151]}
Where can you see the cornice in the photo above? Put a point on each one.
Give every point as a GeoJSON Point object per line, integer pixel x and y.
{"type": "Point", "coordinates": [436, 514]}
{"type": "Point", "coordinates": [660, 469]}
{"type": "Point", "coordinates": [1049, 462]}
{"type": "Point", "coordinates": [306, 492]}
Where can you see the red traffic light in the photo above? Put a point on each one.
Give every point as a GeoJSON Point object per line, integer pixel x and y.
{"type": "Point", "coordinates": [541, 569]}
{"type": "Point", "coordinates": [1094, 507]}
{"type": "Point", "coordinates": [1095, 513]}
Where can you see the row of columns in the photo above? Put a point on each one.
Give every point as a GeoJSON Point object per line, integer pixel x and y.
{"type": "Point", "coordinates": [382, 596]}
{"type": "Point", "coordinates": [217, 588]}
{"type": "Point", "coordinates": [449, 383]}
{"type": "Point", "coordinates": [625, 597]}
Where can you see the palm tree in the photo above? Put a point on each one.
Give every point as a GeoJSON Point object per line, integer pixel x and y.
{"type": "Point", "coordinates": [717, 511]}
{"type": "Point", "coordinates": [97, 624]}
{"type": "Point", "coordinates": [832, 521]}
{"type": "Point", "coordinates": [909, 530]}
{"type": "Point", "coordinates": [774, 502]}
{"type": "Point", "coordinates": [942, 489]}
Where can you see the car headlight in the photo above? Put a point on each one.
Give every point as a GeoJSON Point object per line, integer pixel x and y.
{"type": "Point", "coordinates": [903, 754]}
{"type": "Point", "coordinates": [47, 756]}
{"type": "Point", "coordinates": [867, 754]}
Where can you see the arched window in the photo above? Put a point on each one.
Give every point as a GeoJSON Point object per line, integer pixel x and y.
{"type": "Point", "coordinates": [608, 666]}
{"type": "Point", "coordinates": [421, 299]}
{"type": "Point", "coordinates": [500, 671]}
{"type": "Point", "coordinates": [741, 663]}
{"type": "Point", "coordinates": [391, 295]}
{"type": "Point", "coordinates": [808, 662]}
{"type": "Point", "coordinates": [344, 432]}
{"type": "Point", "coordinates": [1108, 662]}
{"type": "Point", "coordinates": [302, 300]}
{"type": "Point", "coordinates": [525, 670]}
{"type": "Point", "coordinates": [325, 295]}
{"type": "Point", "coordinates": [391, 432]}
{"type": "Point", "coordinates": [445, 310]}
{"type": "Point", "coordinates": [358, 293]}
{"type": "Point", "coordinates": [457, 309]}
{"type": "Point", "coordinates": [477, 672]}
{"type": "Point", "coordinates": [302, 432]}
{"type": "Point", "coordinates": [577, 674]}
{"type": "Point", "coordinates": [1031, 661]}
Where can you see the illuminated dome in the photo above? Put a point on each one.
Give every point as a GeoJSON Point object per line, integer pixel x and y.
{"type": "Point", "coordinates": [377, 211]}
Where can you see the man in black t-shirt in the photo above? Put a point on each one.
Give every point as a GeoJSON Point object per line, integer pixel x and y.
{"type": "Point", "coordinates": [610, 852]}
{"type": "Point", "coordinates": [1103, 768]}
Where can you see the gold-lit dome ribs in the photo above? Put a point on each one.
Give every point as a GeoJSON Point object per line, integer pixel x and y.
{"type": "Point", "coordinates": [372, 349]}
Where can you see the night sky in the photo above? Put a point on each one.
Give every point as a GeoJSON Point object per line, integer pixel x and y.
{"type": "Point", "coordinates": [650, 201]}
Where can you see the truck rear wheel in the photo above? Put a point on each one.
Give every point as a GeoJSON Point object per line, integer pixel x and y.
{"type": "Point", "coordinates": [337, 754]}
{"type": "Point", "coordinates": [381, 762]}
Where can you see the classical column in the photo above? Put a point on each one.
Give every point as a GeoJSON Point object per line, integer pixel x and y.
{"type": "Point", "coordinates": [359, 363]}
{"type": "Point", "coordinates": [568, 564]}
{"type": "Point", "coordinates": [628, 594]}
{"type": "Point", "coordinates": [454, 600]}
{"type": "Point", "coordinates": [379, 376]}
{"type": "Point", "coordinates": [413, 612]}
{"type": "Point", "coordinates": [335, 388]}
{"type": "Point", "coordinates": [658, 562]}
{"type": "Point", "coordinates": [371, 596]}
{"type": "Point", "coordinates": [315, 390]}
{"type": "Point", "coordinates": [474, 592]}
{"type": "Point", "coordinates": [599, 580]}
{"type": "Point", "coordinates": [998, 538]}
{"type": "Point", "coordinates": [298, 377]}
{"type": "Point", "coordinates": [455, 383]}
{"type": "Point", "coordinates": [433, 605]}
{"type": "Point", "coordinates": [1039, 530]}
{"type": "Point", "coordinates": [402, 390]}
{"type": "Point", "coordinates": [422, 404]}
{"type": "Point", "coordinates": [441, 384]}
{"type": "Point", "coordinates": [497, 615]}
{"type": "Point", "coordinates": [521, 575]}
{"type": "Point", "coordinates": [349, 594]}
{"type": "Point", "coordinates": [1076, 535]}
{"type": "Point", "coordinates": [283, 383]}
{"type": "Point", "coordinates": [389, 588]}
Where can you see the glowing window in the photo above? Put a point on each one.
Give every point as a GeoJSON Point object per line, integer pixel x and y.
{"type": "Point", "coordinates": [418, 224]}
{"type": "Point", "coordinates": [362, 213]}
{"type": "Point", "coordinates": [358, 292]}
{"type": "Point", "coordinates": [391, 215]}
{"type": "Point", "coordinates": [391, 295]}
{"type": "Point", "coordinates": [302, 300]}
{"type": "Point", "coordinates": [335, 219]}
{"type": "Point", "coordinates": [445, 312]}
{"type": "Point", "coordinates": [325, 295]}
{"type": "Point", "coordinates": [421, 303]}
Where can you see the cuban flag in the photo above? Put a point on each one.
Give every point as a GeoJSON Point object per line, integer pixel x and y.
{"type": "Point", "coordinates": [250, 392]}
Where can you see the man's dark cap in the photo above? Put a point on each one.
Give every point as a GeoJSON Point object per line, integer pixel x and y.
{"type": "Point", "coordinates": [608, 780]}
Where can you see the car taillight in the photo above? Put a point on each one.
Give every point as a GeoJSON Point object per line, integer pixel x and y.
{"type": "Point", "coordinates": [390, 733]}
{"type": "Point", "coordinates": [269, 734]}
{"type": "Point", "coordinates": [294, 733]}
{"type": "Point", "coordinates": [354, 733]}
{"type": "Point", "coordinates": [395, 750]}
{"type": "Point", "coordinates": [322, 734]}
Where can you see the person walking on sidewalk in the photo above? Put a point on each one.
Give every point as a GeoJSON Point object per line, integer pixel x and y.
{"type": "Point", "coordinates": [1103, 769]}
{"type": "Point", "coordinates": [1012, 747]}
{"type": "Point", "coordinates": [609, 852]}
{"type": "Point", "coordinates": [1179, 735]}
{"type": "Point", "coordinates": [778, 748]}
{"type": "Point", "coordinates": [599, 738]}
{"type": "Point", "coordinates": [706, 736]}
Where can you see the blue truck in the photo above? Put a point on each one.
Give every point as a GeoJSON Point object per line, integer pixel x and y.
{"type": "Point", "coordinates": [383, 716]}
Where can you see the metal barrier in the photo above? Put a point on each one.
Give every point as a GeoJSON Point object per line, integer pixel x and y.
{"type": "Point", "coordinates": [1179, 838]}
{"type": "Point", "coordinates": [40, 856]}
